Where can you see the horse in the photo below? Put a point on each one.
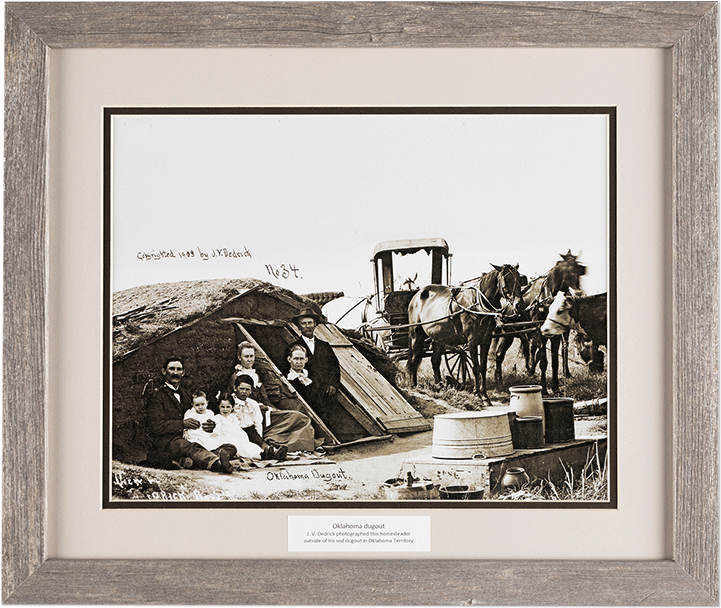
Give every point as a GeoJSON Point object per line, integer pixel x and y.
{"type": "Point", "coordinates": [361, 315]}
{"type": "Point", "coordinates": [565, 276]}
{"type": "Point", "coordinates": [587, 315]}
{"type": "Point", "coordinates": [462, 315]}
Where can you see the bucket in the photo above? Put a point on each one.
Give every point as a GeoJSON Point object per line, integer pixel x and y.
{"type": "Point", "coordinates": [559, 419]}
{"type": "Point", "coordinates": [410, 489]}
{"type": "Point", "coordinates": [526, 400]}
{"type": "Point", "coordinates": [529, 433]}
{"type": "Point", "coordinates": [469, 434]}
{"type": "Point", "coordinates": [459, 493]}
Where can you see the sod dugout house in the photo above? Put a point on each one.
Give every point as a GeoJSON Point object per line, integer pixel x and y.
{"type": "Point", "coordinates": [202, 322]}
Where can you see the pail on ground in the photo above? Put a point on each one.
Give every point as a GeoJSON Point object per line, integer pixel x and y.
{"type": "Point", "coordinates": [526, 400]}
{"type": "Point", "coordinates": [469, 434]}
{"type": "Point", "coordinates": [559, 419]}
{"type": "Point", "coordinates": [459, 493]}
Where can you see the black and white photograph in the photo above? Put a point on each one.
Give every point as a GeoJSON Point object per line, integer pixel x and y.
{"type": "Point", "coordinates": [349, 307]}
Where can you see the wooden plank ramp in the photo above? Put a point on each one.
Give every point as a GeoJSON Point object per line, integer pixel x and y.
{"type": "Point", "coordinates": [305, 408]}
{"type": "Point", "coordinates": [369, 388]}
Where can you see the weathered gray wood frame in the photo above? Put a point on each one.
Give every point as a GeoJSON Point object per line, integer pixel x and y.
{"type": "Point", "coordinates": [689, 28]}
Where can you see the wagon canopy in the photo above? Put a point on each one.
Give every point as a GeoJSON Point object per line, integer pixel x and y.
{"type": "Point", "coordinates": [409, 246]}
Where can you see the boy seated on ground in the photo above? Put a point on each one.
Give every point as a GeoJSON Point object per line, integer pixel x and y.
{"type": "Point", "coordinates": [251, 419]}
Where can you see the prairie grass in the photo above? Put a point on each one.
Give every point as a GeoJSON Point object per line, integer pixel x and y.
{"type": "Point", "coordinates": [581, 385]}
{"type": "Point", "coordinates": [590, 485]}
{"type": "Point", "coordinates": [314, 494]}
{"type": "Point", "coordinates": [457, 397]}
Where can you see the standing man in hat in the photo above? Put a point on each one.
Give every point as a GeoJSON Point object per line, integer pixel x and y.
{"type": "Point", "coordinates": [324, 374]}
{"type": "Point", "coordinates": [323, 367]}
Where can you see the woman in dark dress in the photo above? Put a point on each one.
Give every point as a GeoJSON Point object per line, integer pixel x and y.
{"type": "Point", "coordinates": [336, 418]}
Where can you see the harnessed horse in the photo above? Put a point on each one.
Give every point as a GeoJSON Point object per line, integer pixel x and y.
{"type": "Point", "coordinates": [564, 277]}
{"type": "Point", "coordinates": [462, 315]}
{"type": "Point", "coordinates": [586, 315]}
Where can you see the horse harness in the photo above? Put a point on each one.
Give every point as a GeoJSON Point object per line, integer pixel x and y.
{"type": "Point", "coordinates": [481, 306]}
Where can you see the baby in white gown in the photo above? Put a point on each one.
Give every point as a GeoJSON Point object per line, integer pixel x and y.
{"type": "Point", "coordinates": [201, 413]}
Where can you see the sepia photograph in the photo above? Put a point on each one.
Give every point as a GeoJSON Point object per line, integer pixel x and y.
{"type": "Point", "coordinates": [178, 173]}
{"type": "Point", "coordinates": [406, 306]}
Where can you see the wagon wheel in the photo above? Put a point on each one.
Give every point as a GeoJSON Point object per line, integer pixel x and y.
{"type": "Point", "coordinates": [459, 366]}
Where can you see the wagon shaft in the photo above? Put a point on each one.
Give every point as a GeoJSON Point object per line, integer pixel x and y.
{"type": "Point", "coordinates": [516, 329]}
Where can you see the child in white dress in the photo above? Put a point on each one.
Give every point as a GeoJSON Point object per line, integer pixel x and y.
{"type": "Point", "coordinates": [201, 413]}
{"type": "Point", "coordinates": [248, 413]}
{"type": "Point", "coordinates": [228, 430]}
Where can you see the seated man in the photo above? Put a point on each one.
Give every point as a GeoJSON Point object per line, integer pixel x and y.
{"type": "Point", "coordinates": [166, 411]}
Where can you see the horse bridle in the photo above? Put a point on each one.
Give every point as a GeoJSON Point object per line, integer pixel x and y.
{"type": "Point", "coordinates": [502, 287]}
{"type": "Point", "coordinates": [565, 326]}
{"type": "Point", "coordinates": [481, 299]}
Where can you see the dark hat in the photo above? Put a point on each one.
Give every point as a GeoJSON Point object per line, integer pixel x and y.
{"type": "Point", "coordinates": [306, 312]}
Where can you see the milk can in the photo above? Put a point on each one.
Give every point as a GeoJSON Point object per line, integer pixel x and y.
{"type": "Point", "coordinates": [526, 401]}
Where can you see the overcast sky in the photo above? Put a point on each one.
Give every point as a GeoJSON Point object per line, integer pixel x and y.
{"type": "Point", "coordinates": [317, 193]}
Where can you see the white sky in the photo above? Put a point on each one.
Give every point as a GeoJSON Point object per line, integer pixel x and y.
{"type": "Point", "coordinates": [318, 192]}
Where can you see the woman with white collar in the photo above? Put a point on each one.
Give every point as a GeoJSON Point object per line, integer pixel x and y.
{"type": "Point", "coordinates": [245, 354]}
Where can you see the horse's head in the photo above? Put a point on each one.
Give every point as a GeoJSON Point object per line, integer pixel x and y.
{"type": "Point", "coordinates": [566, 275]}
{"type": "Point", "coordinates": [559, 317]}
{"type": "Point", "coordinates": [510, 284]}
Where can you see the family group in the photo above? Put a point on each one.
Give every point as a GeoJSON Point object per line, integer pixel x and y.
{"type": "Point", "coordinates": [248, 423]}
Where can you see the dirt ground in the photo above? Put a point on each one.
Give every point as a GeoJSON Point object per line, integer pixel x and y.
{"type": "Point", "coordinates": [354, 473]}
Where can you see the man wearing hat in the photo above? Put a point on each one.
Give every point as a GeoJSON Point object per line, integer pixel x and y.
{"type": "Point", "coordinates": [324, 374]}
{"type": "Point", "coordinates": [323, 367]}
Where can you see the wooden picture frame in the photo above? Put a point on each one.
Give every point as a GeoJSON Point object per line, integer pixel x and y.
{"type": "Point", "coordinates": [689, 28]}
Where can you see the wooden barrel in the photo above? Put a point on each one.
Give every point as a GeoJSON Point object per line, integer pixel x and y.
{"type": "Point", "coordinates": [469, 434]}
